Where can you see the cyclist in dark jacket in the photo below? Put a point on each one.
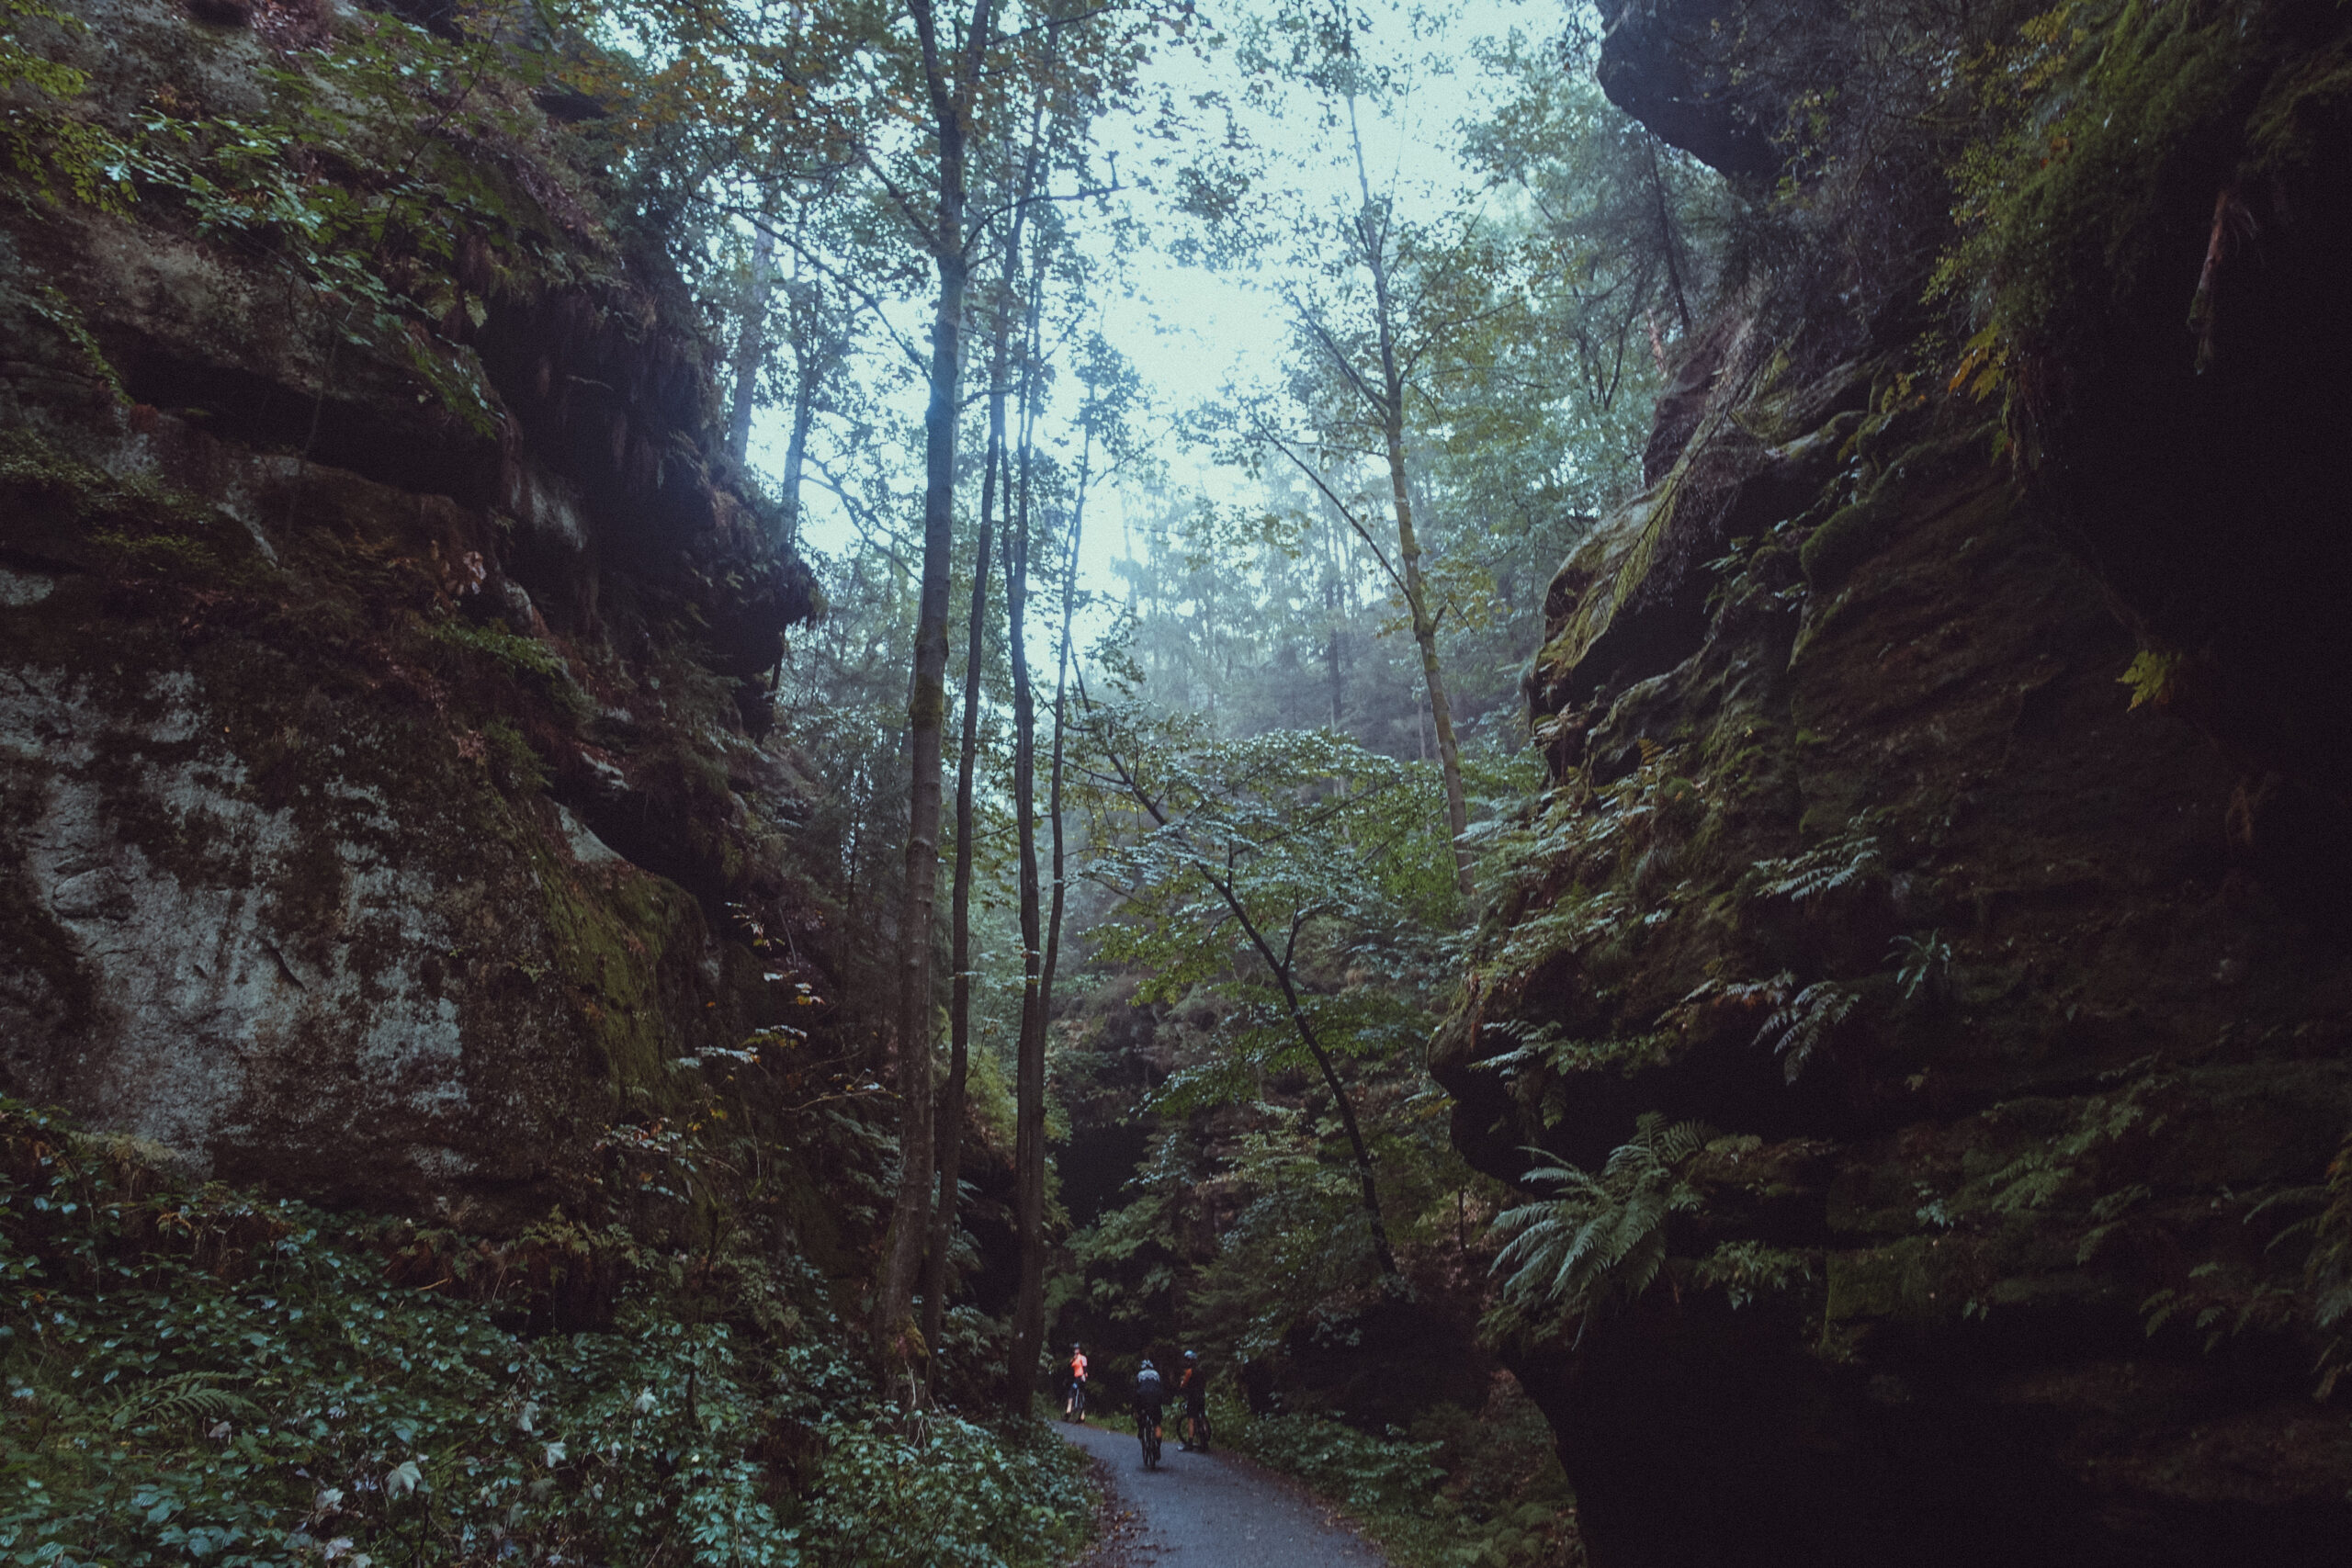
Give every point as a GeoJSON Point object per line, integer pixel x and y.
{"type": "Point", "coordinates": [1151, 1395]}
{"type": "Point", "coordinates": [1195, 1386]}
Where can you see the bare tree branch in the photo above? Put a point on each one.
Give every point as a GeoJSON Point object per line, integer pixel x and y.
{"type": "Point", "coordinates": [1315, 477]}
{"type": "Point", "coordinates": [864, 295]}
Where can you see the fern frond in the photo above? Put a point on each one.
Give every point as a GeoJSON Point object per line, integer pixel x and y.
{"type": "Point", "coordinates": [1642, 1261]}
{"type": "Point", "coordinates": [1603, 1237]}
{"type": "Point", "coordinates": [1851, 857]}
{"type": "Point", "coordinates": [184, 1397]}
{"type": "Point", "coordinates": [1800, 1024]}
{"type": "Point", "coordinates": [1683, 1140]}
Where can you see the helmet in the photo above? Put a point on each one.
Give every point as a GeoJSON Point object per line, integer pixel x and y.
{"type": "Point", "coordinates": [1146, 1367]}
{"type": "Point", "coordinates": [1192, 1355]}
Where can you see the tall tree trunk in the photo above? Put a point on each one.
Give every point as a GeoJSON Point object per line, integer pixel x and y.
{"type": "Point", "coordinates": [813, 356]}
{"type": "Point", "coordinates": [1029, 1063]}
{"type": "Point", "coordinates": [1373, 236]}
{"type": "Point", "coordinates": [959, 1007]}
{"type": "Point", "coordinates": [1416, 602]}
{"type": "Point", "coordinates": [926, 721]}
{"type": "Point", "coordinates": [1061, 704]}
{"type": "Point", "coordinates": [959, 917]}
{"type": "Point", "coordinates": [1029, 1073]}
{"type": "Point", "coordinates": [1331, 651]}
{"type": "Point", "coordinates": [819, 342]}
{"type": "Point", "coordinates": [750, 343]}
{"type": "Point", "coordinates": [796, 449]}
{"type": "Point", "coordinates": [895, 1334]}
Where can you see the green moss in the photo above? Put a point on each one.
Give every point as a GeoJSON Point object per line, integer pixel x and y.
{"type": "Point", "coordinates": [2100, 112]}
{"type": "Point", "coordinates": [1851, 536]}
{"type": "Point", "coordinates": [175, 557]}
{"type": "Point", "coordinates": [512, 760]}
{"type": "Point", "coordinates": [1904, 1281]}
{"type": "Point", "coordinates": [132, 526]}
{"type": "Point", "coordinates": [30, 459]}
{"type": "Point", "coordinates": [610, 938]}
{"type": "Point", "coordinates": [1598, 612]}
{"type": "Point", "coordinates": [517, 655]}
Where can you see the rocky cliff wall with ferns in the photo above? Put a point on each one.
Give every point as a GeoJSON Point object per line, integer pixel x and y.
{"type": "Point", "coordinates": [382, 639]}
{"type": "Point", "coordinates": [1918, 1016]}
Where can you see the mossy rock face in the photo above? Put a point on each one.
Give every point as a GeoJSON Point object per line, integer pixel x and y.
{"type": "Point", "coordinates": [1851, 536]}
{"type": "Point", "coordinates": [2030, 1037]}
{"type": "Point", "coordinates": [376, 791]}
{"type": "Point", "coordinates": [315, 943]}
{"type": "Point", "coordinates": [2114, 1056]}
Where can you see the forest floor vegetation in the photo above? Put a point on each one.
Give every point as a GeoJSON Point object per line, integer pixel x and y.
{"type": "Point", "coordinates": [1458, 1488]}
{"type": "Point", "coordinates": [199, 1374]}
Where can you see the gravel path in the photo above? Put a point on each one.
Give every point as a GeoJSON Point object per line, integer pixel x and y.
{"type": "Point", "coordinates": [1210, 1511]}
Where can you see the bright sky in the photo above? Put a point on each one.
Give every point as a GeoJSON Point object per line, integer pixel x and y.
{"type": "Point", "coordinates": [1190, 333]}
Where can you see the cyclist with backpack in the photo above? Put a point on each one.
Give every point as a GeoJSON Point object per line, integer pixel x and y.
{"type": "Point", "coordinates": [1195, 1386]}
{"type": "Point", "coordinates": [1151, 1396]}
{"type": "Point", "coordinates": [1075, 1409]}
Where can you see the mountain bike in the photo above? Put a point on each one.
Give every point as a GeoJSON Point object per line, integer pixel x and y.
{"type": "Point", "coordinates": [1196, 1430]}
{"type": "Point", "coordinates": [1147, 1425]}
{"type": "Point", "coordinates": [1076, 1409]}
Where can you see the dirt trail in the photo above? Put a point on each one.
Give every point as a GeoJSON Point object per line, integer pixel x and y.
{"type": "Point", "coordinates": [1211, 1511]}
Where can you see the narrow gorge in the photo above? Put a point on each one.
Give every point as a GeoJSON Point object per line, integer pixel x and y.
{"type": "Point", "coordinates": [511, 514]}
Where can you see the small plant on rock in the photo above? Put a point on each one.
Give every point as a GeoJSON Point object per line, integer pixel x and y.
{"type": "Point", "coordinates": [1925, 965]}
{"type": "Point", "coordinates": [1602, 1238]}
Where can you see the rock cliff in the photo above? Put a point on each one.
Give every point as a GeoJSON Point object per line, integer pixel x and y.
{"type": "Point", "coordinates": [382, 639]}
{"type": "Point", "coordinates": [1931, 944]}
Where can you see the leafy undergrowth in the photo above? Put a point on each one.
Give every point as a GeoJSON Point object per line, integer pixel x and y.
{"type": "Point", "coordinates": [1459, 1490]}
{"type": "Point", "coordinates": [197, 1375]}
